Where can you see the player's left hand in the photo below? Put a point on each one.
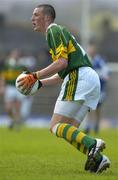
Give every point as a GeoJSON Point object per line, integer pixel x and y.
{"type": "Point", "coordinates": [28, 81]}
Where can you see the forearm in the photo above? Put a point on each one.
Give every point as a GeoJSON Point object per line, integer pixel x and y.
{"type": "Point", "coordinates": [52, 69]}
{"type": "Point", "coordinates": [27, 81]}
{"type": "Point", "coordinates": [55, 79]}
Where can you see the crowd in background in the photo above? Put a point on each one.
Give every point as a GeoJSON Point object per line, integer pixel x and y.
{"type": "Point", "coordinates": [16, 105]}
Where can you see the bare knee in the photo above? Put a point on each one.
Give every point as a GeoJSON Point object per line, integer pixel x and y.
{"type": "Point", "coordinates": [57, 118]}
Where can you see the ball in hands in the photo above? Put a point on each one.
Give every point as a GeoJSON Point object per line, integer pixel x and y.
{"type": "Point", "coordinates": [28, 91]}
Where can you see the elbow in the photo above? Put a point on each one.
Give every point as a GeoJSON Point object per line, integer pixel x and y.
{"type": "Point", "coordinates": [63, 63]}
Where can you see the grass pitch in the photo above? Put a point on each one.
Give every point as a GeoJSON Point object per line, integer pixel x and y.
{"type": "Point", "coordinates": [36, 154]}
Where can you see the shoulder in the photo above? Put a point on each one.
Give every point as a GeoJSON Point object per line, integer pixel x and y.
{"type": "Point", "coordinates": [54, 28]}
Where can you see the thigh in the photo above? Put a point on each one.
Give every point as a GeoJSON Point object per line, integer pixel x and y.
{"type": "Point", "coordinates": [19, 96]}
{"type": "Point", "coordinates": [68, 108]}
{"type": "Point", "coordinates": [72, 112]}
{"type": "Point", "coordinates": [8, 106]}
{"type": "Point", "coordinates": [10, 94]}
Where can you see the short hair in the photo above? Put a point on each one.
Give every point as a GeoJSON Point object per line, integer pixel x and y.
{"type": "Point", "coordinates": [48, 10]}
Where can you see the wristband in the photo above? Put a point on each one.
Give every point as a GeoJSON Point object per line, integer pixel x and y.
{"type": "Point", "coordinates": [35, 74]}
{"type": "Point", "coordinates": [40, 84]}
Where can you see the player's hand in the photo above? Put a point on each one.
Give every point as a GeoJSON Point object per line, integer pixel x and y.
{"type": "Point", "coordinates": [28, 81]}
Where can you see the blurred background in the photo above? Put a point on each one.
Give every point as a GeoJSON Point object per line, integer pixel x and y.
{"type": "Point", "coordinates": [88, 20]}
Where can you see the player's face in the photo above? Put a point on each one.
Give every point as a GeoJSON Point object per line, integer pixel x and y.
{"type": "Point", "coordinates": [38, 20]}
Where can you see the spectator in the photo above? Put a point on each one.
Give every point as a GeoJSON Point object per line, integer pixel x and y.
{"type": "Point", "coordinates": [100, 66]}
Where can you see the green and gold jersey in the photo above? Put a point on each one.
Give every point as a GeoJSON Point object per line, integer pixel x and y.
{"type": "Point", "coordinates": [63, 44]}
{"type": "Point", "coordinates": [11, 72]}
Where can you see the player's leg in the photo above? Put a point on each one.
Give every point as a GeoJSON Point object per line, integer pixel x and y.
{"type": "Point", "coordinates": [18, 105]}
{"type": "Point", "coordinates": [87, 89]}
{"type": "Point", "coordinates": [10, 113]}
{"type": "Point", "coordinates": [26, 107]}
{"type": "Point", "coordinates": [12, 105]}
{"type": "Point", "coordinates": [90, 122]}
{"type": "Point", "coordinates": [9, 105]}
{"type": "Point", "coordinates": [68, 131]}
{"type": "Point", "coordinates": [57, 118]}
{"type": "Point", "coordinates": [98, 118]}
{"type": "Point", "coordinates": [17, 114]}
{"type": "Point", "coordinates": [98, 112]}
{"type": "Point", "coordinates": [63, 125]}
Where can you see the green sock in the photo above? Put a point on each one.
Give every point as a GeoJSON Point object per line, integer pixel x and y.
{"type": "Point", "coordinates": [75, 137]}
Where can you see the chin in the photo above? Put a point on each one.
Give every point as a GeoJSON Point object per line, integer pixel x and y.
{"type": "Point", "coordinates": [37, 29]}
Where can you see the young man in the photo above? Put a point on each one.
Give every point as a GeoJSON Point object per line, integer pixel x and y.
{"type": "Point", "coordinates": [12, 98]}
{"type": "Point", "coordinates": [80, 86]}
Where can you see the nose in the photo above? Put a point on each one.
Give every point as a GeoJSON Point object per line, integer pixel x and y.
{"type": "Point", "coordinates": [32, 18]}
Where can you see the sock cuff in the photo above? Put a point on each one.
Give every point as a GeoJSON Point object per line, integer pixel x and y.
{"type": "Point", "coordinates": [54, 129]}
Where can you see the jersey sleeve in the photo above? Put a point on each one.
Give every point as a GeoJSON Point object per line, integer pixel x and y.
{"type": "Point", "coordinates": [57, 44]}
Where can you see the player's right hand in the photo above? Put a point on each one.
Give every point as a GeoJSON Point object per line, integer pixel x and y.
{"type": "Point", "coordinates": [28, 81]}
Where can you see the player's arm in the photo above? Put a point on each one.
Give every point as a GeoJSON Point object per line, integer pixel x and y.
{"type": "Point", "coordinates": [55, 79]}
{"type": "Point", "coordinates": [58, 51]}
{"type": "Point", "coordinates": [60, 61]}
{"type": "Point", "coordinates": [52, 69]}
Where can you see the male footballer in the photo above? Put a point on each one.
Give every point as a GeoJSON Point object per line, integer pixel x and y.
{"type": "Point", "coordinates": [80, 88]}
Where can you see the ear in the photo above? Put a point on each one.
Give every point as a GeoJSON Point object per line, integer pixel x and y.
{"type": "Point", "coordinates": [47, 18]}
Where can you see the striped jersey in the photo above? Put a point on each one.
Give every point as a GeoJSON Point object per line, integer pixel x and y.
{"type": "Point", "coordinates": [63, 44]}
{"type": "Point", "coordinates": [100, 66]}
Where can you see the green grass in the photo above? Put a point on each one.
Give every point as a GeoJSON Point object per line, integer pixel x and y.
{"type": "Point", "coordinates": [36, 154]}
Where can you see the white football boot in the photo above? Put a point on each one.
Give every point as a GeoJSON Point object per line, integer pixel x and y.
{"type": "Point", "coordinates": [104, 164]}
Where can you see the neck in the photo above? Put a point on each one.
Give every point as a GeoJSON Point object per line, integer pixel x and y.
{"type": "Point", "coordinates": [47, 24]}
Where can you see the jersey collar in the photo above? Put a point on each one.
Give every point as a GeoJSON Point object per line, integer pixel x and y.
{"type": "Point", "coordinates": [52, 24]}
